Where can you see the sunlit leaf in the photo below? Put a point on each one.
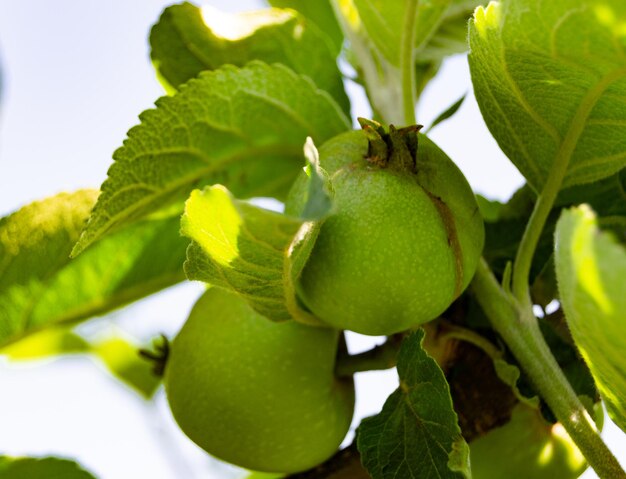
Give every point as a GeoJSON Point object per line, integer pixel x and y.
{"type": "Point", "coordinates": [188, 39]}
{"type": "Point", "coordinates": [591, 267]}
{"type": "Point", "coordinates": [240, 127]}
{"type": "Point", "coordinates": [122, 359]}
{"type": "Point", "coordinates": [40, 286]}
{"type": "Point", "coordinates": [321, 13]}
{"type": "Point", "coordinates": [550, 80]}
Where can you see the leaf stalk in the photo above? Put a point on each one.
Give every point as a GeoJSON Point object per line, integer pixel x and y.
{"type": "Point", "coordinates": [518, 327]}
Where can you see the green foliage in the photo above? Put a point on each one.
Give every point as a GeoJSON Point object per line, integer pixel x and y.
{"type": "Point", "coordinates": [41, 468]}
{"type": "Point", "coordinates": [384, 23]}
{"type": "Point", "coordinates": [447, 113]}
{"type": "Point", "coordinates": [41, 287]}
{"type": "Point", "coordinates": [319, 12]}
{"type": "Point", "coordinates": [117, 353]}
{"type": "Point", "coordinates": [379, 234]}
{"type": "Point", "coordinates": [122, 359]}
{"type": "Point", "coordinates": [550, 81]}
{"type": "Point", "coordinates": [418, 416]}
{"type": "Point", "coordinates": [591, 268]}
{"type": "Point", "coordinates": [241, 247]}
{"type": "Point", "coordinates": [188, 40]}
{"type": "Point", "coordinates": [242, 127]}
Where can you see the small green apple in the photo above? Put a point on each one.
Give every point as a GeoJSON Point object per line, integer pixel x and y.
{"type": "Point", "coordinates": [402, 242]}
{"type": "Point", "coordinates": [527, 447]}
{"type": "Point", "coordinates": [258, 394]}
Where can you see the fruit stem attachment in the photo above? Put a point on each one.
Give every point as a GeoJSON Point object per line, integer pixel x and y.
{"type": "Point", "coordinates": [383, 356]}
{"type": "Point", "coordinates": [516, 324]}
{"type": "Point", "coordinates": [452, 331]}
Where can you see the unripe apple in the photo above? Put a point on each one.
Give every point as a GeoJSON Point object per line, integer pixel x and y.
{"type": "Point", "coordinates": [258, 394]}
{"type": "Point", "coordinates": [404, 237]}
{"type": "Point", "coordinates": [526, 447]}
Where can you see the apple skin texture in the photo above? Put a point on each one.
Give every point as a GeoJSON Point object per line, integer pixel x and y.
{"type": "Point", "coordinates": [258, 394]}
{"type": "Point", "coordinates": [398, 248]}
{"type": "Point", "coordinates": [526, 448]}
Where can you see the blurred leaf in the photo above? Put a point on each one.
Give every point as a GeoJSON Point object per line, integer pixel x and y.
{"type": "Point", "coordinates": [41, 287]}
{"type": "Point", "coordinates": [119, 354]}
{"type": "Point", "coordinates": [489, 209]}
{"type": "Point", "coordinates": [241, 127]}
{"type": "Point", "coordinates": [418, 416]}
{"type": "Point", "coordinates": [46, 343]}
{"type": "Point", "coordinates": [384, 23]}
{"type": "Point", "coordinates": [550, 81]}
{"type": "Point", "coordinates": [41, 468]}
{"type": "Point", "coordinates": [447, 113]}
{"type": "Point", "coordinates": [188, 40]}
{"type": "Point", "coordinates": [122, 359]}
{"type": "Point", "coordinates": [607, 197]}
{"type": "Point", "coordinates": [450, 37]}
{"type": "Point", "coordinates": [319, 12]}
{"type": "Point", "coordinates": [591, 268]}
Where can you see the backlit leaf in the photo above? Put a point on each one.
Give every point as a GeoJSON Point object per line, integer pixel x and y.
{"type": "Point", "coordinates": [41, 287]}
{"type": "Point", "coordinates": [188, 39]}
{"type": "Point", "coordinates": [240, 127]}
{"type": "Point", "coordinates": [550, 80]}
{"type": "Point", "coordinates": [591, 267]}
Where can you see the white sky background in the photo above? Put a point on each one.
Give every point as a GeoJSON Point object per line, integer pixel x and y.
{"type": "Point", "coordinates": [76, 75]}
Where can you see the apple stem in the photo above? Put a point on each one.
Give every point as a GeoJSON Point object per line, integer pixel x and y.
{"type": "Point", "coordinates": [383, 356]}
{"type": "Point", "coordinates": [517, 325]}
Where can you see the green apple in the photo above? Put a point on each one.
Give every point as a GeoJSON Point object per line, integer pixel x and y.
{"type": "Point", "coordinates": [526, 447]}
{"type": "Point", "coordinates": [258, 394]}
{"type": "Point", "coordinates": [402, 242]}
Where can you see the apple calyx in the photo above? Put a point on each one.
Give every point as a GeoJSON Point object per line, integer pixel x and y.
{"type": "Point", "coordinates": [395, 149]}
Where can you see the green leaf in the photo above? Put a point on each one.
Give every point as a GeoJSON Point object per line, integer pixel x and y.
{"type": "Point", "coordinates": [41, 287]}
{"type": "Point", "coordinates": [384, 24]}
{"type": "Point", "coordinates": [550, 80]}
{"type": "Point", "coordinates": [247, 249]}
{"type": "Point", "coordinates": [607, 197]}
{"type": "Point", "coordinates": [509, 374]}
{"type": "Point", "coordinates": [241, 127]}
{"type": "Point", "coordinates": [319, 12]}
{"type": "Point", "coordinates": [447, 113]}
{"type": "Point", "coordinates": [122, 359]}
{"type": "Point", "coordinates": [416, 434]}
{"type": "Point", "coordinates": [119, 354]}
{"type": "Point", "coordinates": [450, 37]}
{"type": "Point", "coordinates": [46, 343]}
{"type": "Point", "coordinates": [188, 39]}
{"type": "Point", "coordinates": [41, 468]}
{"type": "Point", "coordinates": [591, 268]}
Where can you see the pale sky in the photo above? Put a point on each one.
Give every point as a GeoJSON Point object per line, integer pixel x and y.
{"type": "Point", "coordinates": [76, 76]}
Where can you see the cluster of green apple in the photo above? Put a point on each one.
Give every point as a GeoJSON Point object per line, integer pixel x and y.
{"type": "Point", "coordinates": [401, 244]}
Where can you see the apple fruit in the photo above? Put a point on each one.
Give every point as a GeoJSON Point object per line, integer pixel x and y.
{"type": "Point", "coordinates": [255, 393]}
{"type": "Point", "coordinates": [526, 447]}
{"type": "Point", "coordinates": [403, 239]}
